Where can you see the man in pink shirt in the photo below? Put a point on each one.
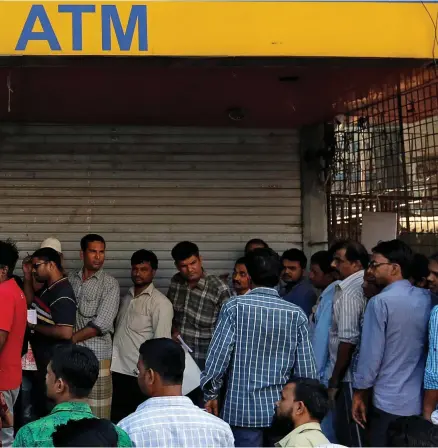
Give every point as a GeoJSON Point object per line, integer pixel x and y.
{"type": "Point", "coordinates": [13, 317]}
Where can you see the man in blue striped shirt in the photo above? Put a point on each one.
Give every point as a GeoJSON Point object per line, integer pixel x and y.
{"type": "Point", "coordinates": [259, 343]}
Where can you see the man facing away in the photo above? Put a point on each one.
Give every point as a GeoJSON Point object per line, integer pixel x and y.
{"type": "Point", "coordinates": [304, 403]}
{"type": "Point", "coordinates": [241, 278]}
{"type": "Point", "coordinates": [259, 342]}
{"type": "Point", "coordinates": [392, 350]}
{"type": "Point", "coordinates": [298, 289]}
{"type": "Point", "coordinates": [98, 297]}
{"type": "Point", "coordinates": [349, 259]}
{"type": "Point", "coordinates": [13, 316]}
{"type": "Point", "coordinates": [55, 306]}
{"type": "Point", "coordinates": [144, 314]}
{"type": "Point", "coordinates": [167, 418]}
{"type": "Point", "coordinates": [71, 375]}
{"type": "Point", "coordinates": [197, 298]}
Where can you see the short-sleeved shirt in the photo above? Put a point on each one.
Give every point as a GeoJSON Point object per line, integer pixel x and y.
{"type": "Point", "coordinates": [55, 305]}
{"type": "Point", "coordinates": [196, 311]}
{"type": "Point", "coordinates": [13, 317]}
{"type": "Point", "coordinates": [145, 316]}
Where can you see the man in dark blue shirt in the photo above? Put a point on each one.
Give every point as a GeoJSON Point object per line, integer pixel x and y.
{"type": "Point", "coordinates": [298, 289]}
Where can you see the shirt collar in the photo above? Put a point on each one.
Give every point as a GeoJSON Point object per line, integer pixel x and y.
{"type": "Point", "coordinates": [400, 283]}
{"type": "Point", "coordinates": [263, 290]}
{"type": "Point", "coordinates": [76, 406]}
{"type": "Point", "coordinates": [97, 274]}
{"type": "Point", "coordinates": [160, 402]}
{"type": "Point", "coordinates": [330, 287]}
{"type": "Point", "coordinates": [201, 283]}
{"type": "Point", "coordinates": [303, 428]}
{"type": "Point", "coordinates": [148, 291]}
{"type": "Point", "coordinates": [350, 280]}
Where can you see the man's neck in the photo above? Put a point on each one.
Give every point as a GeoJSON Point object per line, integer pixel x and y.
{"type": "Point", "coordinates": [54, 279]}
{"type": "Point", "coordinates": [169, 391]}
{"type": "Point", "coordinates": [392, 280]}
{"type": "Point", "coordinates": [87, 273]}
{"type": "Point", "coordinates": [305, 421]}
{"type": "Point", "coordinates": [242, 292]}
{"type": "Point", "coordinates": [139, 289]}
{"type": "Point", "coordinates": [70, 399]}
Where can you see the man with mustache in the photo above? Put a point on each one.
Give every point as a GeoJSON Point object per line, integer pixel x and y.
{"type": "Point", "coordinates": [98, 297]}
{"type": "Point", "coordinates": [241, 278]}
{"type": "Point", "coordinates": [144, 314]}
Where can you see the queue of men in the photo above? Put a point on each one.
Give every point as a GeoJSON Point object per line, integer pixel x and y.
{"type": "Point", "coordinates": [280, 365]}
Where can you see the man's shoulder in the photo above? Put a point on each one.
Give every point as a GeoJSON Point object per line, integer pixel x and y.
{"type": "Point", "coordinates": [160, 299]}
{"type": "Point", "coordinates": [214, 281]}
{"type": "Point", "coordinates": [108, 278]}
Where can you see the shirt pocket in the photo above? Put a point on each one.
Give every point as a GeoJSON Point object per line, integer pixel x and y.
{"type": "Point", "coordinates": [87, 307]}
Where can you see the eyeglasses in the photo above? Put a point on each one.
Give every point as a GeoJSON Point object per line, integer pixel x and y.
{"type": "Point", "coordinates": [35, 266]}
{"type": "Point", "coordinates": [375, 265]}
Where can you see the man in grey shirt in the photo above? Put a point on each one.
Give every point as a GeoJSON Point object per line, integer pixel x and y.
{"type": "Point", "coordinates": [98, 297]}
{"type": "Point", "coordinates": [350, 259]}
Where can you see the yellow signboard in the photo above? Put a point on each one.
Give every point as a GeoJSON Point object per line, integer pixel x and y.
{"type": "Point", "coordinates": [216, 28]}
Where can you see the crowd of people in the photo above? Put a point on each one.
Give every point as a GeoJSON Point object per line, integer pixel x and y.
{"type": "Point", "coordinates": [343, 351]}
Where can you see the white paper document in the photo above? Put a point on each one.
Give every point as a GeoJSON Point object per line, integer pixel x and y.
{"type": "Point", "coordinates": [184, 345]}
{"type": "Point", "coordinates": [32, 316]}
{"type": "Point", "coordinates": [192, 375]}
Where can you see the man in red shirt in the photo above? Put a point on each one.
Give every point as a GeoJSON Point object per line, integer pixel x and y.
{"type": "Point", "coordinates": [13, 317]}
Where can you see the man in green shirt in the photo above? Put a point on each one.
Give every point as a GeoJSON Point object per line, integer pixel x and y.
{"type": "Point", "coordinates": [71, 375]}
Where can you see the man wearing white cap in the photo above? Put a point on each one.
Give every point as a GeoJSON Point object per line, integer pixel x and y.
{"type": "Point", "coordinates": [30, 284]}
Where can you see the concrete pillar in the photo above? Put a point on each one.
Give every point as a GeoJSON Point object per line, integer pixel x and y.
{"type": "Point", "coordinates": [313, 195]}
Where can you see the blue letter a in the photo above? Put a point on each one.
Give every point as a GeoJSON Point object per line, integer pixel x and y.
{"type": "Point", "coordinates": [37, 12]}
{"type": "Point", "coordinates": [137, 16]}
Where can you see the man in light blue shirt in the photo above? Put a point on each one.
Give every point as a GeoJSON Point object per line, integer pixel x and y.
{"type": "Point", "coordinates": [323, 277]}
{"type": "Point", "coordinates": [392, 350]}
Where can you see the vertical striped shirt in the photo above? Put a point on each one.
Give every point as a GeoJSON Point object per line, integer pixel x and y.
{"type": "Point", "coordinates": [348, 309]}
{"type": "Point", "coordinates": [431, 372]}
{"type": "Point", "coordinates": [259, 343]}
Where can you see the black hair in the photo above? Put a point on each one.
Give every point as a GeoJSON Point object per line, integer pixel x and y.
{"type": "Point", "coordinates": [184, 250]}
{"type": "Point", "coordinates": [86, 432]}
{"type": "Point", "coordinates": [256, 242]}
{"type": "Point", "coordinates": [91, 238]}
{"type": "Point", "coordinates": [412, 431]}
{"type": "Point", "coordinates": [314, 396]}
{"type": "Point", "coordinates": [398, 252]}
{"type": "Point", "coordinates": [49, 254]}
{"type": "Point", "coordinates": [295, 255]}
{"type": "Point", "coordinates": [323, 259]}
{"type": "Point", "coordinates": [166, 357]}
{"type": "Point", "coordinates": [264, 267]}
{"type": "Point", "coordinates": [145, 256]}
{"type": "Point", "coordinates": [419, 268]}
{"type": "Point", "coordinates": [354, 251]}
{"type": "Point", "coordinates": [77, 366]}
{"type": "Point", "coordinates": [8, 256]}
{"type": "Point", "coordinates": [241, 260]}
{"type": "Point", "coordinates": [434, 257]}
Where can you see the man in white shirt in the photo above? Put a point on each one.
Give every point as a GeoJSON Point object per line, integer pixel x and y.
{"type": "Point", "coordinates": [145, 313]}
{"type": "Point", "coordinates": [167, 418]}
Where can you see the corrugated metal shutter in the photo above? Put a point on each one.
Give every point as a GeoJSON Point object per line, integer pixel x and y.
{"type": "Point", "coordinates": [150, 188]}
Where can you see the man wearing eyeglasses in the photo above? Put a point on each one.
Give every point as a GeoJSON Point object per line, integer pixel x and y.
{"type": "Point", "coordinates": [55, 306]}
{"type": "Point", "coordinates": [392, 351]}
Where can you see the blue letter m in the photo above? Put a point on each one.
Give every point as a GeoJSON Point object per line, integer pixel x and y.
{"type": "Point", "coordinates": [138, 16]}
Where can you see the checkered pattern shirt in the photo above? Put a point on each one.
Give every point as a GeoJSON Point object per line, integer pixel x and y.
{"type": "Point", "coordinates": [196, 311]}
{"type": "Point", "coordinates": [175, 422]}
{"type": "Point", "coordinates": [431, 372]}
{"type": "Point", "coordinates": [98, 300]}
{"type": "Point", "coordinates": [259, 343]}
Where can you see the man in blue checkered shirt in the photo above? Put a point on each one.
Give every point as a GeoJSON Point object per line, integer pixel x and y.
{"type": "Point", "coordinates": [259, 343]}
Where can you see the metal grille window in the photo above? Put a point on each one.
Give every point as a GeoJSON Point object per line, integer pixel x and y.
{"type": "Point", "coordinates": [386, 159]}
